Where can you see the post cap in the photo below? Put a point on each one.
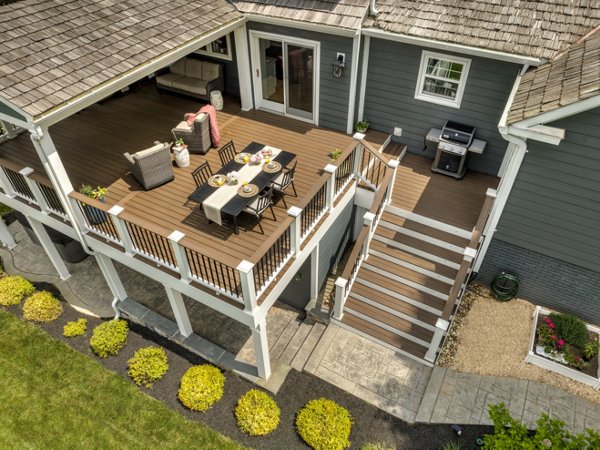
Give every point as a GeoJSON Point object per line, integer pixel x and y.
{"type": "Point", "coordinates": [116, 210]}
{"type": "Point", "coordinates": [393, 163]}
{"type": "Point", "coordinates": [368, 218]}
{"type": "Point", "coordinates": [245, 266]}
{"type": "Point", "coordinates": [26, 171]}
{"type": "Point", "coordinates": [330, 168]}
{"type": "Point", "coordinates": [491, 193]}
{"type": "Point", "coordinates": [358, 136]}
{"type": "Point", "coordinates": [176, 236]}
{"type": "Point", "coordinates": [442, 324]}
{"type": "Point", "coordinates": [470, 252]}
{"type": "Point", "coordinates": [341, 282]}
{"type": "Point", "coordinates": [294, 211]}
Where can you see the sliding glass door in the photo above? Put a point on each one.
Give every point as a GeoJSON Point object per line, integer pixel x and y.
{"type": "Point", "coordinates": [284, 76]}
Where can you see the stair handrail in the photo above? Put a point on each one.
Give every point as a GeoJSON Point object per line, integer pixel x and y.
{"type": "Point", "coordinates": [470, 253]}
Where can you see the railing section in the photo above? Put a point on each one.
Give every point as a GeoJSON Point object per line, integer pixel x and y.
{"type": "Point", "coordinates": [95, 216]}
{"type": "Point", "coordinates": [373, 168]}
{"type": "Point", "coordinates": [19, 184]}
{"type": "Point", "coordinates": [272, 261]}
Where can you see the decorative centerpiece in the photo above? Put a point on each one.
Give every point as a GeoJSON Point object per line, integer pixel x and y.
{"type": "Point", "coordinates": [233, 177]}
{"type": "Point", "coordinates": [565, 344]}
{"type": "Point", "coordinates": [93, 215]}
{"type": "Point", "coordinates": [256, 158]}
{"type": "Point", "coordinates": [182, 155]}
{"type": "Point", "coordinates": [266, 152]}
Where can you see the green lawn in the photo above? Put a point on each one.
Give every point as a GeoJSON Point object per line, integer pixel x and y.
{"type": "Point", "coordinates": [51, 396]}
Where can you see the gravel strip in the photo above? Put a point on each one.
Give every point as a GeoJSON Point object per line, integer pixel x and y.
{"type": "Point", "coordinates": [493, 339]}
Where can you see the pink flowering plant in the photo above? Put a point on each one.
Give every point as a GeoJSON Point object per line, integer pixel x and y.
{"type": "Point", "coordinates": [562, 335]}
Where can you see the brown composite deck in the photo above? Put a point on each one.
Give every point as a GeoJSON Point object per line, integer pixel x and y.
{"type": "Point", "coordinates": [91, 145]}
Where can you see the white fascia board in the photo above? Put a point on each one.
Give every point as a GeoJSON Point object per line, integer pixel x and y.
{"type": "Point", "coordinates": [104, 90]}
{"type": "Point", "coordinates": [450, 47]}
{"type": "Point", "coordinates": [560, 113]}
{"type": "Point", "coordinates": [328, 29]}
{"type": "Point", "coordinates": [540, 133]}
{"type": "Point", "coordinates": [502, 127]}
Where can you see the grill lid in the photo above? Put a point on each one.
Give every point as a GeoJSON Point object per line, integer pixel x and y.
{"type": "Point", "coordinates": [458, 133]}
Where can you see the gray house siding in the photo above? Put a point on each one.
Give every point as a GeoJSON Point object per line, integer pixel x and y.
{"type": "Point", "coordinates": [10, 112]}
{"type": "Point", "coordinates": [554, 205]}
{"type": "Point", "coordinates": [333, 92]}
{"type": "Point", "coordinates": [545, 281]}
{"type": "Point", "coordinates": [232, 84]}
{"type": "Point", "coordinates": [549, 232]}
{"type": "Point", "coordinates": [297, 292]}
{"type": "Point", "coordinates": [389, 101]}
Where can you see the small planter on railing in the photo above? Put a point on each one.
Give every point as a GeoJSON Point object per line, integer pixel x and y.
{"type": "Point", "coordinates": [560, 354]}
{"type": "Point", "coordinates": [94, 215]}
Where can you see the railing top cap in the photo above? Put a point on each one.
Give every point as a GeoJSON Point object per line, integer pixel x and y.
{"type": "Point", "coordinates": [176, 236]}
{"type": "Point", "coordinates": [330, 168]}
{"type": "Point", "coordinates": [294, 211]}
{"type": "Point", "coordinates": [393, 163]}
{"type": "Point", "coordinates": [26, 171]}
{"type": "Point", "coordinates": [116, 210]}
{"type": "Point", "coordinates": [359, 136]}
{"type": "Point", "coordinates": [491, 193]}
{"type": "Point", "coordinates": [245, 266]}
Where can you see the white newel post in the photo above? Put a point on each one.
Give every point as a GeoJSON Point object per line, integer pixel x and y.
{"type": "Point", "coordinates": [330, 169]}
{"type": "Point", "coordinates": [261, 349]}
{"type": "Point", "coordinates": [358, 155]}
{"type": "Point", "coordinates": [243, 66]}
{"type": "Point", "coordinates": [121, 228]}
{"type": "Point", "coordinates": [179, 311]}
{"type": "Point", "coordinates": [180, 256]}
{"type": "Point", "coordinates": [340, 294]}
{"type": "Point", "coordinates": [393, 165]}
{"type": "Point", "coordinates": [35, 190]}
{"type": "Point", "coordinates": [6, 236]}
{"type": "Point", "coordinates": [112, 279]}
{"type": "Point", "coordinates": [246, 271]}
{"type": "Point", "coordinates": [441, 327]}
{"type": "Point", "coordinates": [51, 251]}
{"type": "Point", "coordinates": [295, 237]}
{"type": "Point", "coordinates": [369, 220]}
{"type": "Point", "coordinates": [314, 273]}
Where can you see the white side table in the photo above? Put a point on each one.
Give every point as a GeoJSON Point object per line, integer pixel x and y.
{"type": "Point", "coordinates": [182, 156]}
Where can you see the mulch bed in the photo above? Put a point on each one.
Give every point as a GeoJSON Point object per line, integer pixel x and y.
{"type": "Point", "coordinates": [370, 423]}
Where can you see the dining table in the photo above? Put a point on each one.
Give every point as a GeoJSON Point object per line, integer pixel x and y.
{"type": "Point", "coordinates": [235, 202]}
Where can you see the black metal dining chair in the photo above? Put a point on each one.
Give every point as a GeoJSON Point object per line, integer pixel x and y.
{"type": "Point", "coordinates": [227, 152]}
{"type": "Point", "coordinates": [202, 173]}
{"type": "Point", "coordinates": [260, 205]}
{"type": "Point", "coordinates": [284, 180]}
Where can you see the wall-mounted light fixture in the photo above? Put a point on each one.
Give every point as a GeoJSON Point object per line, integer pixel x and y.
{"type": "Point", "coordinates": [338, 65]}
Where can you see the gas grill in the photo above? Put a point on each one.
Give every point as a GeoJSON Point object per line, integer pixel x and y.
{"type": "Point", "coordinates": [451, 155]}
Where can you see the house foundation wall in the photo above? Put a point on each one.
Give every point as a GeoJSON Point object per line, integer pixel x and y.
{"type": "Point", "coordinates": [545, 281]}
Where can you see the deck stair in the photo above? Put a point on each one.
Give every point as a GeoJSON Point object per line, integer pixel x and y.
{"type": "Point", "coordinates": [402, 287]}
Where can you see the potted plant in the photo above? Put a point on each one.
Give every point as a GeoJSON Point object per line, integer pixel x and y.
{"type": "Point", "coordinates": [361, 126]}
{"type": "Point", "coordinates": [94, 215]}
{"type": "Point", "coordinates": [335, 154]}
{"type": "Point", "coordinates": [182, 155]}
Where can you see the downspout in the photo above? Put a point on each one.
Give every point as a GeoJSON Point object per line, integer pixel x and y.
{"type": "Point", "coordinates": [518, 150]}
{"type": "Point", "coordinates": [373, 8]}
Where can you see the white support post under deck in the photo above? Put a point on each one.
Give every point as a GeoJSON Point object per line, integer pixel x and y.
{"type": "Point", "coordinates": [246, 271]}
{"type": "Point", "coordinates": [6, 236]}
{"type": "Point", "coordinates": [441, 327]}
{"type": "Point", "coordinates": [51, 251]}
{"type": "Point", "coordinates": [314, 273]}
{"type": "Point", "coordinates": [261, 349]}
{"type": "Point", "coordinates": [112, 279]}
{"type": "Point", "coordinates": [179, 311]}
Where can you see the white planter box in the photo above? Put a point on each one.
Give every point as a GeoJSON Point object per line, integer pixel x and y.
{"type": "Point", "coordinates": [533, 356]}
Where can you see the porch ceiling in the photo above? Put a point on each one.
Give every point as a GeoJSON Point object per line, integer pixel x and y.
{"type": "Point", "coordinates": [56, 51]}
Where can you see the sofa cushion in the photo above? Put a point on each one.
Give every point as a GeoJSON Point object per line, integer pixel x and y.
{"type": "Point", "coordinates": [191, 85]}
{"type": "Point", "coordinates": [167, 79]}
{"type": "Point", "coordinates": [149, 151]}
{"type": "Point", "coordinates": [193, 69]}
{"type": "Point", "coordinates": [210, 71]}
{"type": "Point", "coordinates": [178, 67]}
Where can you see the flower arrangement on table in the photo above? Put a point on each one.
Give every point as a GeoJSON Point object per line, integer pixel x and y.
{"type": "Point", "coordinates": [565, 337]}
{"type": "Point", "coordinates": [233, 177]}
{"type": "Point", "coordinates": [266, 152]}
{"type": "Point", "coordinates": [256, 158]}
{"type": "Point", "coordinates": [179, 145]}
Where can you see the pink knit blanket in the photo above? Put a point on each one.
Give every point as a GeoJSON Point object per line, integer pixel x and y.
{"type": "Point", "coordinates": [215, 135]}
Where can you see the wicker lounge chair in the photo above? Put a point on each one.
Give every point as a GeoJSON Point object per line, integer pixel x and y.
{"type": "Point", "coordinates": [196, 136]}
{"type": "Point", "coordinates": [152, 167]}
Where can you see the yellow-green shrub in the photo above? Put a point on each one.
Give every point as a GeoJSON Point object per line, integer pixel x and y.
{"type": "Point", "coordinates": [148, 365]}
{"type": "Point", "coordinates": [42, 307]}
{"type": "Point", "coordinates": [109, 338]}
{"type": "Point", "coordinates": [14, 289]}
{"type": "Point", "coordinates": [324, 425]}
{"type": "Point", "coordinates": [75, 328]}
{"type": "Point", "coordinates": [201, 387]}
{"type": "Point", "coordinates": [257, 413]}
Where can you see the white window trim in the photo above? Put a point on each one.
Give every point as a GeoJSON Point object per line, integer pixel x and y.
{"type": "Point", "coordinates": [226, 56]}
{"type": "Point", "coordinates": [420, 95]}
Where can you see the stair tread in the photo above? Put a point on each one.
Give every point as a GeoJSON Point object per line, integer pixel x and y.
{"type": "Point", "coordinates": [400, 288]}
{"type": "Point", "coordinates": [414, 259]}
{"type": "Point", "coordinates": [417, 243]}
{"type": "Point", "coordinates": [308, 346]}
{"type": "Point", "coordinates": [295, 343]}
{"type": "Point", "coordinates": [384, 335]}
{"type": "Point", "coordinates": [394, 303]}
{"type": "Point", "coordinates": [424, 229]}
{"type": "Point", "coordinates": [409, 274]}
{"type": "Point", "coordinates": [391, 320]}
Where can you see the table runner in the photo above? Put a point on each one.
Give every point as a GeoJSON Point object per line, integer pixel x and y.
{"type": "Point", "coordinates": [213, 204]}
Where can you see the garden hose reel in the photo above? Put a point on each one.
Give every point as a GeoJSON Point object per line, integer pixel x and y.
{"type": "Point", "coordinates": [505, 286]}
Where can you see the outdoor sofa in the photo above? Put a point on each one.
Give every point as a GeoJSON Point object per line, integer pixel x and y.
{"type": "Point", "coordinates": [193, 77]}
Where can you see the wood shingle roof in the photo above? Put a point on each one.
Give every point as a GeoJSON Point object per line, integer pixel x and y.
{"type": "Point", "coordinates": [54, 50]}
{"type": "Point", "coordinates": [571, 77]}
{"type": "Point", "coordinates": [539, 29]}
{"type": "Point", "coordinates": [340, 13]}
